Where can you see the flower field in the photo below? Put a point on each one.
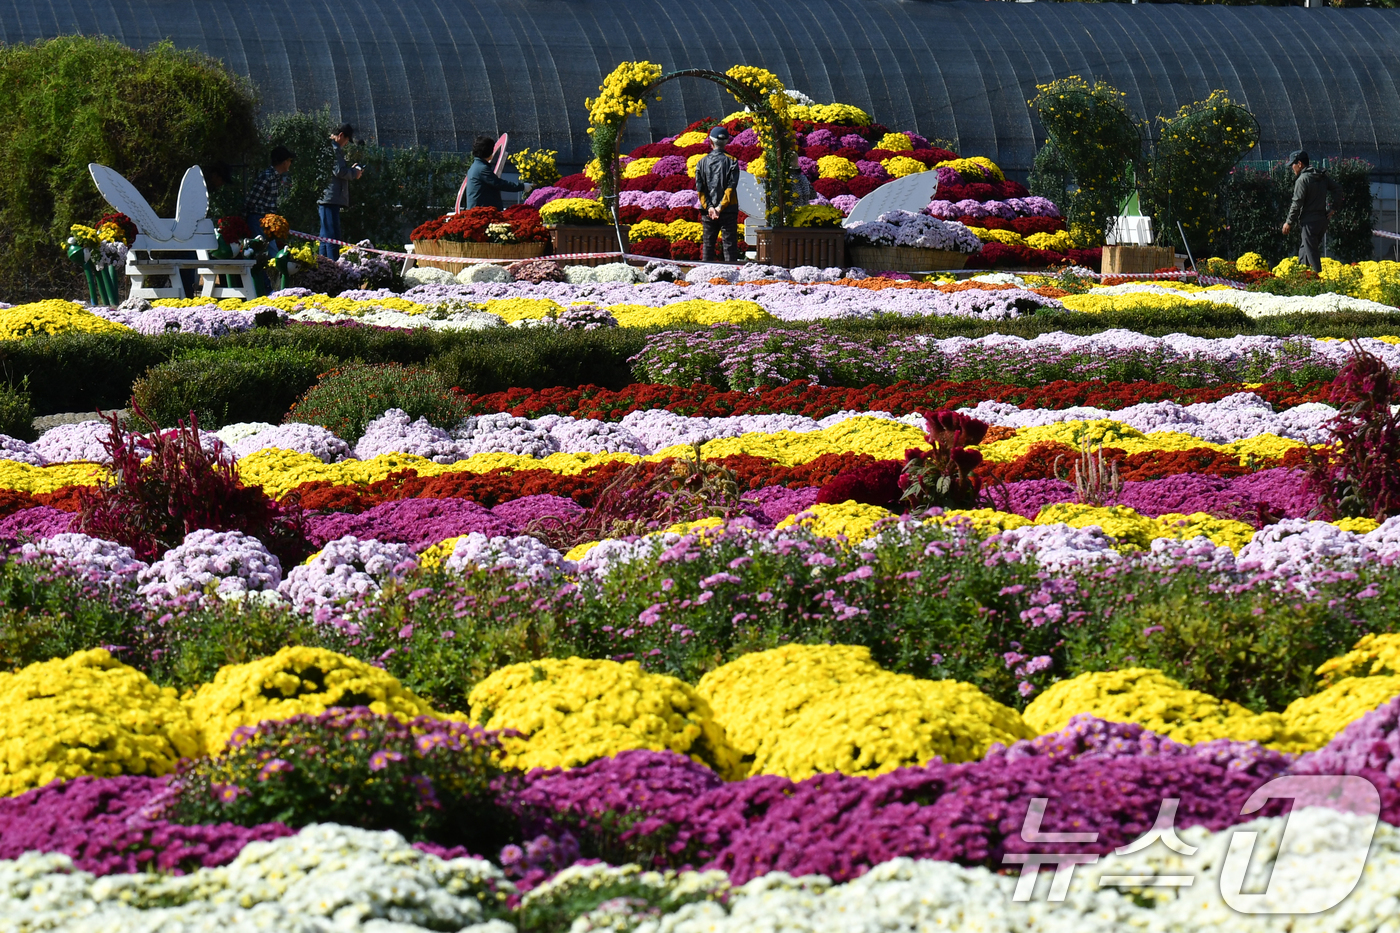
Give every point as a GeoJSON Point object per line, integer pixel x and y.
{"type": "Point", "coordinates": [673, 598]}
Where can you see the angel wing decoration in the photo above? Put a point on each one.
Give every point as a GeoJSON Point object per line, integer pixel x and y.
{"type": "Point", "coordinates": [500, 153]}
{"type": "Point", "coordinates": [192, 204]}
{"type": "Point", "coordinates": [122, 195]}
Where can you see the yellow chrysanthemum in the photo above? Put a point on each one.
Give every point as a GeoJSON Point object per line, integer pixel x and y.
{"type": "Point", "coordinates": [87, 714]}
{"type": "Point", "coordinates": [573, 711]}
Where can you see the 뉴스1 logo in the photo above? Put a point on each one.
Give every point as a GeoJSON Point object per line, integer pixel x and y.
{"type": "Point", "coordinates": [1346, 793]}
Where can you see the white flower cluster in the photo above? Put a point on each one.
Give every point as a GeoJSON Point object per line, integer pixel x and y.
{"type": "Point", "coordinates": [589, 435]}
{"type": "Point", "coordinates": [325, 879]}
{"type": "Point", "coordinates": [1295, 545]}
{"type": "Point", "coordinates": [1324, 852]}
{"type": "Point", "coordinates": [428, 275]}
{"type": "Point", "coordinates": [12, 448]}
{"type": "Point", "coordinates": [1233, 418]}
{"type": "Point", "coordinates": [503, 433]}
{"type": "Point", "coordinates": [235, 563]}
{"type": "Point", "coordinates": [810, 275]}
{"type": "Point", "coordinates": [529, 557]}
{"type": "Point", "coordinates": [1059, 546]}
{"type": "Point", "coordinates": [303, 438]}
{"type": "Point", "coordinates": [909, 228]}
{"type": "Point", "coordinates": [345, 568]}
{"type": "Point", "coordinates": [1258, 304]}
{"type": "Point", "coordinates": [754, 272]}
{"type": "Point", "coordinates": [706, 272]}
{"type": "Point", "coordinates": [395, 432]}
{"type": "Point", "coordinates": [96, 559]}
{"type": "Point", "coordinates": [68, 443]}
{"type": "Point", "coordinates": [483, 272]}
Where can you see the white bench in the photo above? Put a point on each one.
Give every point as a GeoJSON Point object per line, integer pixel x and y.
{"type": "Point", "coordinates": [149, 259]}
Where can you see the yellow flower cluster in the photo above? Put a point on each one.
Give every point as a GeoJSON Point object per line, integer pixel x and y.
{"type": "Point", "coordinates": [854, 521]}
{"type": "Point", "coordinates": [693, 138]}
{"type": "Point", "coordinates": [573, 711]}
{"type": "Point", "coordinates": [838, 167]}
{"type": "Point", "coordinates": [802, 710]}
{"type": "Point", "coordinates": [637, 168]}
{"type": "Point", "coordinates": [87, 714]}
{"type": "Point", "coordinates": [673, 231]}
{"type": "Point", "coordinates": [1372, 656]}
{"type": "Point", "coordinates": [303, 253]}
{"type": "Point", "coordinates": [342, 304]}
{"type": "Point", "coordinates": [573, 210]}
{"type": "Point", "coordinates": [1154, 700]}
{"type": "Point", "coordinates": [899, 166]}
{"type": "Point", "coordinates": [36, 480]}
{"type": "Point", "coordinates": [1362, 280]}
{"type": "Point", "coordinates": [1252, 262]}
{"type": "Point", "coordinates": [522, 309]}
{"type": "Point", "coordinates": [816, 215]}
{"type": "Point", "coordinates": [85, 236]}
{"type": "Point", "coordinates": [985, 521]}
{"type": "Point", "coordinates": [1060, 241]}
{"type": "Point", "coordinates": [622, 93]}
{"type": "Point", "coordinates": [841, 114]}
{"type": "Point", "coordinates": [52, 316]}
{"type": "Point", "coordinates": [538, 167]}
{"type": "Point", "coordinates": [1110, 433]}
{"type": "Point", "coordinates": [111, 233]}
{"type": "Point", "coordinates": [1094, 303]}
{"type": "Point", "coordinates": [894, 142]}
{"type": "Point", "coordinates": [692, 163]}
{"type": "Point", "coordinates": [1317, 718]}
{"type": "Point", "coordinates": [1009, 237]}
{"type": "Point", "coordinates": [693, 311]}
{"type": "Point", "coordinates": [1136, 530]}
{"type": "Point", "coordinates": [972, 168]}
{"type": "Point", "coordinates": [292, 682]}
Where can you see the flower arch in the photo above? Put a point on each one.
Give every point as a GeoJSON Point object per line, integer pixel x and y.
{"type": "Point", "coordinates": [624, 94]}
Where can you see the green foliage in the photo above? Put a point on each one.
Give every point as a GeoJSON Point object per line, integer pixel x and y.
{"type": "Point", "coordinates": [1255, 649]}
{"type": "Point", "coordinates": [1191, 160]}
{"type": "Point", "coordinates": [498, 360]}
{"type": "Point", "coordinates": [45, 615]}
{"type": "Point", "coordinates": [346, 399]}
{"type": "Point", "coordinates": [17, 411]}
{"type": "Point", "coordinates": [73, 100]}
{"type": "Point", "coordinates": [1255, 204]}
{"type": "Point", "coordinates": [429, 780]}
{"type": "Point", "coordinates": [400, 188]}
{"type": "Point", "coordinates": [1349, 231]}
{"type": "Point", "coordinates": [226, 385]}
{"type": "Point", "coordinates": [1097, 144]}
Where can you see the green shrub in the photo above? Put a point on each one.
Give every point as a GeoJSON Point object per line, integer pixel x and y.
{"type": "Point", "coordinates": [225, 385]}
{"type": "Point", "coordinates": [346, 399]}
{"type": "Point", "coordinates": [501, 360]}
{"type": "Point", "coordinates": [75, 99]}
{"type": "Point", "coordinates": [429, 780]}
{"type": "Point", "coordinates": [1349, 231]}
{"type": "Point", "coordinates": [17, 412]}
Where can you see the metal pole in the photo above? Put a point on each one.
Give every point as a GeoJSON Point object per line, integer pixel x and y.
{"type": "Point", "coordinates": [1182, 231]}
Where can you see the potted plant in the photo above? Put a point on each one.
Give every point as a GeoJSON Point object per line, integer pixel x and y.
{"type": "Point", "coordinates": [481, 233]}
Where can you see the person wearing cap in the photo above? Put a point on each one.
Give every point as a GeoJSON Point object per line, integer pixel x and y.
{"type": "Point", "coordinates": [717, 184]}
{"type": "Point", "coordinates": [269, 188]}
{"type": "Point", "coordinates": [1309, 209]}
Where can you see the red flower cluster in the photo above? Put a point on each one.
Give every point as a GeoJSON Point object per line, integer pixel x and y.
{"type": "Point", "coordinates": [1022, 225]}
{"type": "Point", "coordinates": [877, 483]}
{"type": "Point", "coordinates": [803, 398]}
{"type": "Point", "coordinates": [233, 228]}
{"type": "Point", "coordinates": [982, 191]}
{"type": "Point", "coordinates": [470, 225]}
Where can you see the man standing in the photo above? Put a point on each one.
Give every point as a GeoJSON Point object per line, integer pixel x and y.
{"type": "Point", "coordinates": [271, 185]}
{"type": "Point", "coordinates": [484, 186]}
{"type": "Point", "coordinates": [1309, 207]}
{"type": "Point", "coordinates": [337, 193]}
{"type": "Point", "coordinates": [717, 183]}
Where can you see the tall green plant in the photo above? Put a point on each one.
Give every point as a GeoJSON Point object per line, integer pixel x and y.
{"type": "Point", "coordinates": [1255, 203]}
{"type": "Point", "coordinates": [1349, 232]}
{"type": "Point", "coordinates": [1097, 145]}
{"type": "Point", "coordinates": [1191, 160]}
{"type": "Point", "coordinates": [73, 100]}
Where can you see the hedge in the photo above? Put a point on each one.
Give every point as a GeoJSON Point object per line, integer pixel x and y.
{"type": "Point", "coordinates": [84, 372]}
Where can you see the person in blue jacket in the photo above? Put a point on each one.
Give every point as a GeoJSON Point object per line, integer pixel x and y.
{"type": "Point", "coordinates": [484, 186]}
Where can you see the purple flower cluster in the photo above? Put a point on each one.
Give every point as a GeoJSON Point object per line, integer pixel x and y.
{"type": "Point", "coordinates": [209, 319]}
{"type": "Point", "coordinates": [1278, 491]}
{"type": "Point", "coordinates": [101, 824]}
{"type": "Point", "coordinates": [419, 523]}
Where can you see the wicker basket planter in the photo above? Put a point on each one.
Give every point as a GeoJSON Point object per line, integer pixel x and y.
{"type": "Point", "coordinates": [905, 258]}
{"type": "Point", "coordinates": [585, 238]}
{"type": "Point", "coordinates": [511, 251]}
{"type": "Point", "coordinates": [791, 247]}
{"type": "Point", "coordinates": [1137, 259]}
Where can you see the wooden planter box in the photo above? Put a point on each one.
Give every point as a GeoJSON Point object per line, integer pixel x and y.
{"type": "Point", "coordinates": [589, 238]}
{"type": "Point", "coordinates": [512, 251]}
{"type": "Point", "coordinates": [905, 258]}
{"type": "Point", "coordinates": [791, 247]}
{"type": "Point", "coordinates": [1130, 260]}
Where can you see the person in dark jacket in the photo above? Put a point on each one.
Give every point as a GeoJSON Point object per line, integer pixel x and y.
{"type": "Point", "coordinates": [717, 183]}
{"type": "Point", "coordinates": [484, 186]}
{"type": "Point", "coordinates": [1309, 208]}
{"type": "Point", "coordinates": [337, 194]}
